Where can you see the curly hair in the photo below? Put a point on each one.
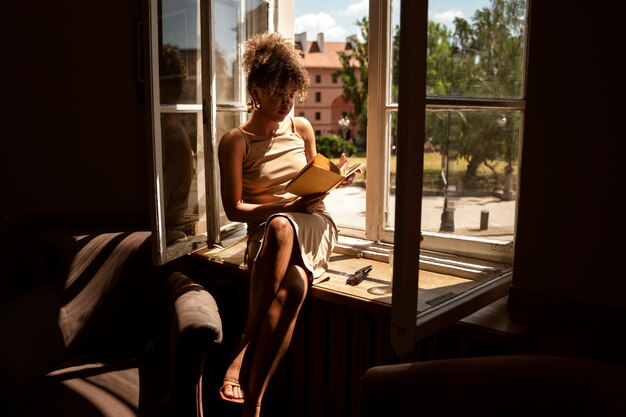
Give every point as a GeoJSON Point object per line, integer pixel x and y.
{"type": "Point", "coordinates": [273, 63]}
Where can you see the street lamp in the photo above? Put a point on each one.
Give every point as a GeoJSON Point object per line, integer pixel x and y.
{"type": "Point", "coordinates": [507, 193]}
{"type": "Point", "coordinates": [344, 123]}
{"type": "Point", "coordinates": [447, 215]}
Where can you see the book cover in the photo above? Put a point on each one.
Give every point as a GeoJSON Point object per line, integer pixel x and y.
{"type": "Point", "coordinates": [320, 175]}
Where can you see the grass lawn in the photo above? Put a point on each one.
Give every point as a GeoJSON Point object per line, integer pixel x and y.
{"type": "Point", "coordinates": [485, 181]}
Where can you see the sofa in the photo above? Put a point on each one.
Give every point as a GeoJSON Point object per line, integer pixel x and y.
{"type": "Point", "coordinates": [505, 385]}
{"type": "Point", "coordinates": [90, 327]}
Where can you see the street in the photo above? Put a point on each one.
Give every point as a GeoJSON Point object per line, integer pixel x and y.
{"type": "Point", "coordinates": [347, 205]}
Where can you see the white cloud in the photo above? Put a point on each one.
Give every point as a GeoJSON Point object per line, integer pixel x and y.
{"type": "Point", "coordinates": [314, 23]}
{"type": "Point", "coordinates": [358, 9]}
{"type": "Point", "coordinates": [447, 17]}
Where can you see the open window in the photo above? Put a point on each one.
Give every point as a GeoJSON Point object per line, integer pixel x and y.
{"type": "Point", "coordinates": [443, 181]}
{"type": "Point", "coordinates": [447, 172]}
{"type": "Point", "coordinates": [472, 114]}
{"type": "Point", "coordinates": [197, 92]}
{"type": "Point", "coordinates": [474, 89]}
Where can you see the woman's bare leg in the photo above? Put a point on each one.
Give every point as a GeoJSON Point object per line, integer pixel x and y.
{"type": "Point", "coordinates": [266, 276]}
{"type": "Point", "coordinates": [273, 337]}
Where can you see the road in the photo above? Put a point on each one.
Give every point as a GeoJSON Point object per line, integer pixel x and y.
{"type": "Point", "coordinates": [347, 205]}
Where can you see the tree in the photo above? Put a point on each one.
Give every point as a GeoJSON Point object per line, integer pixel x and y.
{"type": "Point", "coordinates": [481, 58]}
{"type": "Point", "coordinates": [484, 60]}
{"type": "Point", "coordinates": [354, 74]}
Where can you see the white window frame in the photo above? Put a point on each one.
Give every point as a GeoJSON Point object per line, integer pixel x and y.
{"type": "Point", "coordinates": [379, 106]}
{"type": "Point", "coordinates": [406, 326]}
{"type": "Point", "coordinates": [210, 230]}
{"type": "Point", "coordinates": [163, 253]}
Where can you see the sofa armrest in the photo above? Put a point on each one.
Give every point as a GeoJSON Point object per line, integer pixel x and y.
{"type": "Point", "coordinates": [195, 331]}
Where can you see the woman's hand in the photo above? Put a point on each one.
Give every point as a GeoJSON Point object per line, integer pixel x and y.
{"type": "Point", "coordinates": [308, 203]}
{"type": "Point", "coordinates": [349, 179]}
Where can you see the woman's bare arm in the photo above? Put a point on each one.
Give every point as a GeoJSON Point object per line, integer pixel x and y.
{"type": "Point", "coordinates": [231, 152]}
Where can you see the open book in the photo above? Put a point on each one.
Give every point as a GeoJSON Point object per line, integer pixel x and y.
{"type": "Point", "coordinates": [320, 175]}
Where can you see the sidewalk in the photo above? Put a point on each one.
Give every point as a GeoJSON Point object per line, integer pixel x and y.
{"type": "Point", "coordinates": [347, 205]}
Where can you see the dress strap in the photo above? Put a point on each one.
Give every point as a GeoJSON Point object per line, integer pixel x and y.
{"type": "Point", "coordinates": [245, 138]}
{"type": "Point", "coordinates": [244, 134]}
{"type": "Point", "coordinates": [293, 124]}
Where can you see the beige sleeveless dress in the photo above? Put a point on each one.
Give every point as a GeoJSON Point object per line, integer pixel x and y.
{"type": "Point", "coordinates": [267, 168]}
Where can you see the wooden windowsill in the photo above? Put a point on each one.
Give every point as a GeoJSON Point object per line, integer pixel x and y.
{"type": "Point", "coordinates": [436, 289]}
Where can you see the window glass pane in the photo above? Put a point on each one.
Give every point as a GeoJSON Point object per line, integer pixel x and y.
{"type": "Point", "coordinates": [390, 204]}
{"type": "Point", "coordinates": [181, 136]}
{"type": "Point", "coordinates": [470, 173]}
{"type": "Point", "coordinates": [232, 27]}
{"type": "Point", "coordinates": [226, 50]}
{"type": "Point", "coordinates": [180, 66]}
{"type": "Point", "coordinates": [394, 49]}
{"type": "Point", "coordinates": [256, 18]}
{"type": "Point", "coordinates": [476, 49]}
{"type": "Point", "coordinates": [183, 191]}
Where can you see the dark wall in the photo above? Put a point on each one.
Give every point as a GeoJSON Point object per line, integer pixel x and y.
{"type": "Point", "coordinates": [569, 252]}
{"type": "Point", "coordinates": [77, 152]}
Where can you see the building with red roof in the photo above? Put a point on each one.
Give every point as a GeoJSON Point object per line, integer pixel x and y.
{"type": "Point", "coordinates": [324, 105]}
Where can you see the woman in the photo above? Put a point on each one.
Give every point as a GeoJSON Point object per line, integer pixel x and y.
{"type": "Point", "coordinates": [290, 238]}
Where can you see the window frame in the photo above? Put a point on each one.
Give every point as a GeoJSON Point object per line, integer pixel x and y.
{"type": "Point", "coordinates": [211, 232]}
{"type": "Point", "coordinates": [406, 326]}
{"type": "Point", "coordinates": [163, 253]}
{"type": "Point", "coordinates": [219, 234]}
{"type": "Point", "coordinates": [380, 106]}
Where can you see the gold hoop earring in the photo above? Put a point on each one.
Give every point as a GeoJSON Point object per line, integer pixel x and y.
{"type": "Point", "coordinates": [253, 105]}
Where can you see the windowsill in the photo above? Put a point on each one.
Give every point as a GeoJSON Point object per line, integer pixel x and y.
{"type": "Point", "coordinates": [449, 288]}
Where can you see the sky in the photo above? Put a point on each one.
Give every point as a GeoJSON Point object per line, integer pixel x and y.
{"type": "Point", "coordinates": [336, 17]}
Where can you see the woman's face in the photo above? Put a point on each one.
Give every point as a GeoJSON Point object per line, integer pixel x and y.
{"type": "Point", "coordinates": [276, 106]}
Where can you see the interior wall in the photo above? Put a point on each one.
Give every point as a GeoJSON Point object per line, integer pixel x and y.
{"type": "Point", "coordinates": [568, 251]}
{"type": "Point", "coordinates": [77, 152]}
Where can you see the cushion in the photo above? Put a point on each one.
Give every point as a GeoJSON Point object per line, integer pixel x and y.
{"type": "Point", "coordinates": [99, 389]}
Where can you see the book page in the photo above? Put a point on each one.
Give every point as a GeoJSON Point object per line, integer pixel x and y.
{"type": "Point", "coordinates": [350, 167]}
{"type": "Point", "coordinates": [319, 175]}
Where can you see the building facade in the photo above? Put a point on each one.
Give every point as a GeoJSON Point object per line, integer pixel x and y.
{"type": "Point", "coordinates": [325, 106]}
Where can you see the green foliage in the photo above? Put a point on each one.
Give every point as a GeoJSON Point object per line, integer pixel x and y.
{"type": "Point", "coordinates": [479, 58]}
{"type": "Point", "coordinates": [354, 74]}
{"type": "Point", "coordinates": [331, 146]}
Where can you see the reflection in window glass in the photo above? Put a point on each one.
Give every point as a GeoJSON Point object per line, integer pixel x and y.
{"type": "Point", "coordinates": [179, 133]}
{"type": "Point", "coordinates": [234, 22]}
{"type": "Point", "coordinates": [181, 125]}
{"type": "Point", "coordinates": [179, 32]}
{"type": "Point", "coordinates": [226, 50]}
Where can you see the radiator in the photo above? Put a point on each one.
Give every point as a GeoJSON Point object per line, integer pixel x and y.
{"type": "Point", "coordinates": [331, 349]}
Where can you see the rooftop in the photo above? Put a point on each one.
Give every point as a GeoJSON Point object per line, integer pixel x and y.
{"type": "Point", "coordinates": [321, 54]}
